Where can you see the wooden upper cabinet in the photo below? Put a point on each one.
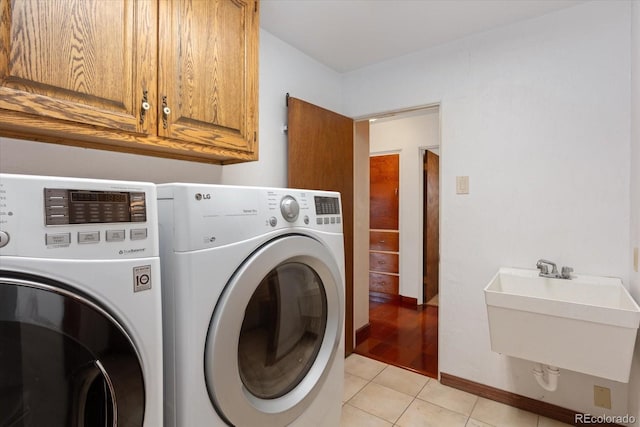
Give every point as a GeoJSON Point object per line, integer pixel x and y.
{"type": "Point", "coordinates": [208, 72]}
{"type": "Point", "coordinates": [81, 72]}
{"type": "Point", "coordinates": [83, 61]}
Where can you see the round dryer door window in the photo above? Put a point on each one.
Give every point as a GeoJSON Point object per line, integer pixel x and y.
{"type": "Point", "coordinates": [275, 333]}
{"type": "Point", "coordinates": [282, 330]}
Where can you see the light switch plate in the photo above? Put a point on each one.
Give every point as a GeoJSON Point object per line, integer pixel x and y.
{"type": "Point", "coordinates": [602, 397]}
{"type": "Point", "coordinates": [462, 185]}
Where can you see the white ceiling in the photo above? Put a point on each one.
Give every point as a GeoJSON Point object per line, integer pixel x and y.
{"type": "Point", "coordinates": [349, 34]}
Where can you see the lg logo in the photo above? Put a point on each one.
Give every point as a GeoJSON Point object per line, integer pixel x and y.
{"type": "Point", "coordinates": [200, 196]}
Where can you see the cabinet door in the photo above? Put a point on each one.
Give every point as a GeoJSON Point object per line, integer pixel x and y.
{"type": "Point", "coordinates": [208, 73]}
{"type": "Point", "coordinates": [81, 61]}
{"type": "Point", "coordinates": [384, 173]}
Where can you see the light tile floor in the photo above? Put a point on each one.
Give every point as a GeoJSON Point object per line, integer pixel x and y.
{"type": "Point", "coordinates": [377, 394]}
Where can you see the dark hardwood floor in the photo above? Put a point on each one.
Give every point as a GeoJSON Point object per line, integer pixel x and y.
{"type": "Point", "coordinates": [401, 336]}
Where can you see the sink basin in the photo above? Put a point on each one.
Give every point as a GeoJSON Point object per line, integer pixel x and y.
{"type": "Point", "coordinates": [587, 324]}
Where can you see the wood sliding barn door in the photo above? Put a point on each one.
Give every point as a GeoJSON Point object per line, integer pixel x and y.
{"type": "Point", "coordinates": [321, 158]}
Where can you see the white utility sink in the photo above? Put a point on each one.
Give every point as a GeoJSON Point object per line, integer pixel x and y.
{"type": "Point", "coordinates": [587, 324]}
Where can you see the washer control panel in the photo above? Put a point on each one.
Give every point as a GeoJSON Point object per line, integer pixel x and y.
{"type": "Point", "coordinates": [56, 217]}
{"type": "Point", "coordinates": [66, 206]}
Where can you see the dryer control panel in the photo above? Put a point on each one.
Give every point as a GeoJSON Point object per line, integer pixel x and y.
{"type": "Point", "coordinates": [327, 210]}
{"type": "Point", "coordinates": [307, 208]}
{"type": "Point", "coordinates": [218, 215]}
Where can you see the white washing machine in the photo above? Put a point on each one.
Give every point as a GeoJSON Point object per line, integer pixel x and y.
{"type": "Point", "coordinates": [253, 299]}
{"type": "Point", "coordinates": [80, 303]}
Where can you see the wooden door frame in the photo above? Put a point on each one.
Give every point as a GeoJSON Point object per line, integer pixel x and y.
{"type": "Point", "coordinates": [360, 289]}
{"type": "Point", "coordinates": [361, 205]}
{"type": "Point", "coordinates": [361, 214]}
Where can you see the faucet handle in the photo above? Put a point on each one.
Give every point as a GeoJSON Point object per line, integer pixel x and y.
{"type": "Point", "coordinates": [566, 272]}
{"type": "Point", "coordinates": [543, 267]}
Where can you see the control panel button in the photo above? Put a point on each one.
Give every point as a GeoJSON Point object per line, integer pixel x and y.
{"type": "Point", "coordinates": [57, 219]}
{"type": "Point", "coordinates": [306, 219]}
{"type": "Point", "coordinates": [319, 221]}
{"type": "Point", "coordinates": [58, 239]}
{"type": "Point", "coordinates": [137, 197]}
{"type": "Point", "coordinates": [88, 237]}
{"type": "Point", "coordinates": [56, 202]}
{"type": "Point", "coordinates": [138, 234]}
{"type": "Point", "coordinates": [333, 220]}
{"type": "Point", "coordinates": [289, 208]}
{"type": "Point", "coordinates": [338, 220]}
{"type": "Point", "coordinates": [273, 221]}
{"type": "Point", "coordinates": [326, 220]}
{"type": "Point", "coordinates": [115, 235]}
{"type": "Point", "coordinates": [4, 239]}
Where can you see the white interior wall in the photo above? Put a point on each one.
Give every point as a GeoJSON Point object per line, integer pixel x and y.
{"type": "Point", "coordinates": [537, 114]}
{"type": "Point", "coordinates": [283, 69]}
{"type": "Point", "coordinates": [635, 142]}
{"type": "Point", "coordinates": [36, 158]}
{"type": "Point", "coordinates": [408, 136]}
{"type": "Point", "coordinates": [634, 276]}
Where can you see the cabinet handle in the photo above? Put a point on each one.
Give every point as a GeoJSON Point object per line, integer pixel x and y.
{"type": "Point", "coordinates": [144, 107]}
{"type": "Point", "coordinates": [381, 262]}
{"type": "Point", "coordinates": [165, 112]}
{"type": "Point", "coordinates": [381, 241]}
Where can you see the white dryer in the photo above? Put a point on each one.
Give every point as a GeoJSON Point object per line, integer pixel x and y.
{"type": "Point", "coordinates": [253, 299]}
{"type": "Point", "coordinates": [80, 303]}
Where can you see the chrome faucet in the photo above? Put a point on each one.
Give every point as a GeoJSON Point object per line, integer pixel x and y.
{"type": "Point", "coordinates": [543, 265]}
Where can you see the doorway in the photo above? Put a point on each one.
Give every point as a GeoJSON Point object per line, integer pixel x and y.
{"type": "Point", "coordinates": [346, 153]}
{"type": "Point", "coordinates": [403, 329]}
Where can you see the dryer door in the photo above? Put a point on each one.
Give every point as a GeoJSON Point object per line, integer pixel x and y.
{"type": "Point", "coordinates": [64, 361]}
{"type": "Point", "coordinates": [275, 333]}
